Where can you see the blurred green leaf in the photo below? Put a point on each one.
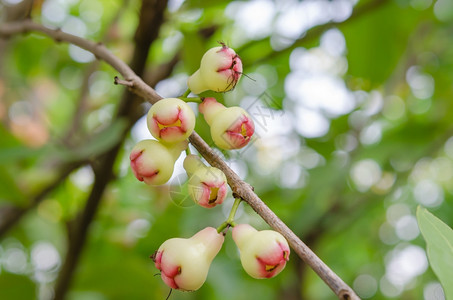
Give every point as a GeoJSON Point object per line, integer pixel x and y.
{"type": "Point", "coordinates": [12, 154]}
{"type": "Point", "coordinates": [14, 286]}
{"type": "Point", "coordinates": [376, 43]}
{"type": "Point", "coordinates": [97, 144]}
{"type": "Point", "coordinates": [9, 191]}
{"type": "Point", "coordinates": [439, 244]}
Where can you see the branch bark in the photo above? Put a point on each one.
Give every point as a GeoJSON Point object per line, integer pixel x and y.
{"type": "Point", "coordinates": [241, 188]}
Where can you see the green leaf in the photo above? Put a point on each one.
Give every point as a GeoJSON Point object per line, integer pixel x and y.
{"type": "Point", "coordinates": [439, 244]}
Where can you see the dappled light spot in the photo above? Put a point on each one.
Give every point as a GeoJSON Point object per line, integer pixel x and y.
{"type": "Point", "coordinates": [387, 234]}
{"type": "Point", "coordinates": [394, 108]}
{"type": "Point", "coordinates": [443, 10]}
{"type": "Point", "coordinates": [371, 134]}
{"type": "Point", "coordinates": [346, 142]}
{"type": "Point", "coordinates": [138, 228]}
{"type": "Point", "coordinates": [100, 84]}
{"type": "Point", "coordinates": [403, 264]}
{"type": "Point", "coordinates": [97, 118]}
{"type": "Point", "coordinates": [140, 131]}
{"type": "Point", "coordinates": [365, 174]}
{"type": "Point", "coordinates": [310, 124]}
{"type": "Point", "coordinates": [322, 92]}
{"type": "Point", "coordinates": [384, 184]}
{"type": "Point", "coordinates": [15, 260]}
{"type": "Point", "coordinates": [396, 211]}
{"type": "Point", "coordinates": [54, 12]}
{"type": "Point", "coordinates": [333, 42]}
{"type": "Point", "coordinates": [448, 147]}
{"type": "Point", "coordinates": [253, 18]}
{"type": "Point", "coordinates": [80, 55]}
{"type": "Point", "coordinates": [91, 10]}
{"type": "Point", "coordinates": [407, 228]}
{"type": "Point", "coordinates": [388, 289]}
{"type": "Point", "coordinates": [74, 26]}
{"type": "Point", "coordinates": [172, 86]}
{"type": "Point", "coordinates": [293, 176]}
{"type": "Point", "coordinates": [421, 84]}
{"type": "Point", "coordinates": [428, 193]}
{"type": "Point", "coordinates": [433, 291]}
{"type": "Point", "coordinates": [12, 2]}
{"type": "Point", "coordinates": [365, 286]}
{"type": "Point", "coordinates": [83, 178]}
{"type": "Point", "coordinates": [71, 77]}
{"type": "Point", "coordinates": [421, 4]}
{"type": "Point", "coordinates": [45, 257]}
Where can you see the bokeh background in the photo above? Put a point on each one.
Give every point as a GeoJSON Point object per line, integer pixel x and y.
{"type": "Point", "coordinates": [352, 102]}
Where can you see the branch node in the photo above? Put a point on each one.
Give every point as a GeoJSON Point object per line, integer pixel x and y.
{"type": "Point", "coordinates": [57, 31]}
{"type": "Point", "coordinates": [118, 81]}
{"type": "Point", "coordinates": [100, 45]}
{"type": "Point", "coordinates": [235, 195]}
{"type": "Point", "coordinates": [345, 295]}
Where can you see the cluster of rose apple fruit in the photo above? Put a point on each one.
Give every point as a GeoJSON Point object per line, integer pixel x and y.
{"type": "Point", "coordinates": [184, 263]}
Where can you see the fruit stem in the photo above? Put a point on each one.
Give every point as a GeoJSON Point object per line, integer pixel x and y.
{"type": "Point", "coordinates": [188, 152]}
{"type": "Point", "coordinates": [230, 221]}
{"type": "Point", "coordinates": [186, 93]}
{"type": "Point", "coordinates": [191, 99]}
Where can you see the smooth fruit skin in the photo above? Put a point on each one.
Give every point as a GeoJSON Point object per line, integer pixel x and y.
{"type": "Point", "coordinates": [231, 128]}
{"type": "Point", "coordinates": [263, 253]}
{"type": "Point", "coordinates": [207, 185]}
{"type": "Point", "coordinates": [153, 162]}
{"type": "Point", "coordinates": [184, 263]}
{"type": "Point", "coordinates": [220, 70]}
{"type": "Point", "coordinates": [171, 120]}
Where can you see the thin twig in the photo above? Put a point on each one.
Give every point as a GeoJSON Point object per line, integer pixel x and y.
{"type": "Point", "coordinates": [241, 188]}
{"type": "Point", "coordinates": [119, 81]}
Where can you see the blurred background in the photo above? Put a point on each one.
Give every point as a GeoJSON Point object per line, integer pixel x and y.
{"type": "Point", "coordinates": [352, 103]}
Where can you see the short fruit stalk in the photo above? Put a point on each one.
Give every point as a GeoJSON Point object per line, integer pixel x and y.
{"type": "Point", "coordinates": [207, 185]}
{"type": "Point", "coordinates": [263, 253]}
{"type": "Point", "coordinates": [153, 162]}
{"type": "Point", "coordinates": [220, 70]}
{"type": "Point", "coordinates": [184, 263]}
{"type": "Point", "coordinates": [231, 128]}
{"type": "Point", "coordinates": [171, 120]}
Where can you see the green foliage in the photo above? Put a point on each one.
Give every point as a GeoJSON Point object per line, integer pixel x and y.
{"type": "Point", "coordinates": [14, 286]}
{"type": "Point", "coordinates": [377, 43]}
{"type": "Point", "coordinates": [439, 242]}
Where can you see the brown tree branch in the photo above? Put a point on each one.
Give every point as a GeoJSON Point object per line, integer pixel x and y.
{"type": "Point", "coordinates": [138, 87]}
{"type": "Point", "coordinates": [241, 188]}
{"type": "Point", "coordinates": [151, 17]}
